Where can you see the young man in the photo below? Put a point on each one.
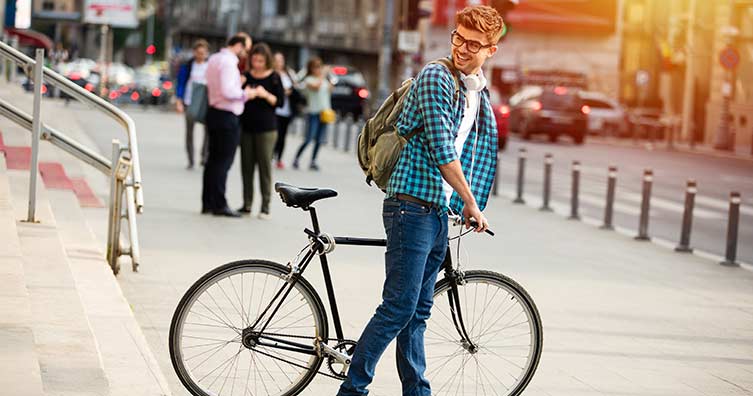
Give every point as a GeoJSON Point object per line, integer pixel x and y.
{"type": "Point", "coordinates": [226, 100]}
{"type": "Point", "coordinates": [458, 139]}
{"type": "Point", "coordinates": [193, 71]}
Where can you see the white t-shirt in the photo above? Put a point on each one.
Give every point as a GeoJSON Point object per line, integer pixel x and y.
{"type": "Point", "coordinates": [466, 124]}
{"type": "Point", "coordinates": [198, 75]}
{"type": "Point", "coordinates": [287, 83]}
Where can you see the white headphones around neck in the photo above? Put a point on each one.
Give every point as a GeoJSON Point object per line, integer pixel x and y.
{"type": "Point", "coordinates": [474, 82]}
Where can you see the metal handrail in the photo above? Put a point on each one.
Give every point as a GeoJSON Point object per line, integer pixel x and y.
{"type": "Point", "coordinates": [87, 97]}
{"type": "Point", "coordinates": [57, 138]}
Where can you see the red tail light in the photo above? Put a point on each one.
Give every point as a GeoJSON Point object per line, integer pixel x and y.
{"type": "Point", "coordinates": [167, 85]}
{"type": "Point", "coordinates": [505, 111]}
{"type": "Point", "coordinates": [74, 76]}
{"type": "Point", "coordinates": [560, 90]}
{"type": "Point", "coordinates": [339, 70]}
{"type": "Point", "coordinates": [535, 105]}
{"type": "Point", "coordinates": [585, 109]}
{"type": "Point", "coordinates": [114, 95]}
{"type": "Point", "coordinates": [44, 89]}
{"type": "Point", "coordinates": [363, 93]}
{"type": "Point", "coordinates": [123, 88]}
{"type": "Point", "coordinates": [135, 96]}
{"type": "Point", "coordinates": [89, 87]}
{"type": "Point", "coordinates": [156, 92]}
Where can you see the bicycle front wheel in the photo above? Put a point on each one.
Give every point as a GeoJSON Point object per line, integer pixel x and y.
{"type": "Point", "coordinates": [505, 331]}
{"type": "Point", "coordinates": [207, 332]}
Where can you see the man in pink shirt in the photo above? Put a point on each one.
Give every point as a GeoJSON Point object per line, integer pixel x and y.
{"type": "Point", "coordinates": [226, 100]}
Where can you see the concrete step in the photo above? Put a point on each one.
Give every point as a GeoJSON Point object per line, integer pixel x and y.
{"type": "Point", "coordinates": [20, 374]}
{"type": "Point", "coordinates": [128, 362]}
{"type": "Point", "coordinates": [67, 351]}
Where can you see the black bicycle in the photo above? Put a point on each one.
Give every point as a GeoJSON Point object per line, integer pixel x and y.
{"type": "Point", "coordinates": [259, 327]}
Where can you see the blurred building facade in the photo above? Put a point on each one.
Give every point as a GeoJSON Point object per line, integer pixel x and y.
{"type": "Point", "coordinates": [559, 38]}
{"type": "Point", "coordinates": [659, 44]}
{"type": "Point", "coordinates": [347, 32]}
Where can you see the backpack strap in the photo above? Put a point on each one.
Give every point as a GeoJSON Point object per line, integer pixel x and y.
{"type": "Point", "coordinates": [447, 63]}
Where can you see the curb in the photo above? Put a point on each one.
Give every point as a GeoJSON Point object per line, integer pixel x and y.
{"type": "Point", "coordinates": [640, 146]}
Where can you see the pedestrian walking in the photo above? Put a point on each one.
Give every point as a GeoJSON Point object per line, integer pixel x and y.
{"type": "Point", "coordinates": [226, 100]}
{"type": "Point", "coordinates": [317, 90]}
{"type": "Point", "coordinates": [455, 135]}
{"type": "Point", "coordinates": [190, 75]}
{"type": "Point", "coordinates": [285, 112]}
{"type": "Point", "coordinates": [259, 124]}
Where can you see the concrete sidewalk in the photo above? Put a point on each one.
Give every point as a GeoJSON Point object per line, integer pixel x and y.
{"type": "Point", "coordinates": [620, 317]}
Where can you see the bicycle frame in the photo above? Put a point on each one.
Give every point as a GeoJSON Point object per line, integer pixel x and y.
{"type": "Point", "coordinates": [317, 247]}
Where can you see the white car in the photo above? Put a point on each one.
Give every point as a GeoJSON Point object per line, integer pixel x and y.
{"type": "Point", "coordinates": [606, 117]}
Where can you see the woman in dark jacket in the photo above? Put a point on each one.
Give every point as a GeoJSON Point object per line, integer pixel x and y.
{"type": "Point", "coordinates": [259, 126]}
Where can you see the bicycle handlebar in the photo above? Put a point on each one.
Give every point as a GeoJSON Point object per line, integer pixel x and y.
{"type": "Point", "coordinates": [474, 224]}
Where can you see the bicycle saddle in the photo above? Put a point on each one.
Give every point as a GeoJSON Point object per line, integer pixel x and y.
{"type": "Point", "coordinates": [301, 197]}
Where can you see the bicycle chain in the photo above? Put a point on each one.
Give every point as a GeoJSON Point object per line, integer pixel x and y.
{"type": "Point", "coordinates": [299, 365]}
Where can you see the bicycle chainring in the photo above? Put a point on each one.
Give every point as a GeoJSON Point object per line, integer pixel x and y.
{"type": "Point", "coordinates": [337, 368]}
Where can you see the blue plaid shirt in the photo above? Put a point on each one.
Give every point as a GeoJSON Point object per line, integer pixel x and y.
{"type": "Point", "coordinates": [431, 103]}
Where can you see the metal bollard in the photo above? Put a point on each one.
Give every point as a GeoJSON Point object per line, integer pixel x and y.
{"type": "Point", "coordinates": [336, 132]}
{"type": "Point", "coordinates": [36, 126]}
{"type": "Point", "coordinates": [548, 160]}
{"type": "Point", "coordinates": [648, 180]}
{"type": "Point", "coordinates": [496, 177]}
{"type": "Point", "coordinates": [732, 228]}
{"type": "Point", "coordinates": [574, 201]}
{"type": "Point", "coordinates": [521, 175]}
{"type": "Point", "coordinates": [609, 208]}
{"type": "Point", "coordinates": [348, 132]}
{"type": "Point", "coordinates": [687, 218]}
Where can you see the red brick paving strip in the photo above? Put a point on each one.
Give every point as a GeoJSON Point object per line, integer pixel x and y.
{"type": "Point", "coordinates": [85, 195]}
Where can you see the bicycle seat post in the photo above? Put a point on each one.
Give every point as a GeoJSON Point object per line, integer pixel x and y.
{"type": "Point", "coordinates": [314, 219]}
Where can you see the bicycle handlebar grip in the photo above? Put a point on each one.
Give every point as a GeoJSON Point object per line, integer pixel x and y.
{"type": "Point", "coordinates": [474, 224]}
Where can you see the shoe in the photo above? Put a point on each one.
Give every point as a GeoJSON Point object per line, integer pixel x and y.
{"type": "Point", "coordinates": [295, 164]}
{"type": "Point", "coordinates": [314, 167]}
{"type": "Point", "coordinates": [244, 210]}
{"type": "Point", "coordinates": [280, 165]}
{"type": "Point", "coordinates": [227, 212]}
{"type": "Point", "coordinates": [264, 216]}
{"type": "Point", "coordinates": [189, 167]}
{"type": "Point", "coordinates": [205, 211]}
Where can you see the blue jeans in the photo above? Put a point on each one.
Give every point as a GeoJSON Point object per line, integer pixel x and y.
{"type": "Point", "coordinates": [317, 132]}
{"type": "Point", "coordinates": [416, 247]}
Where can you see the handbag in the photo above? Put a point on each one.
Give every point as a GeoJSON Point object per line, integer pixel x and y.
{"type": "Point", "coordinates": [197, 110]}
{"type": "Point", "coordinates": [327, 116]}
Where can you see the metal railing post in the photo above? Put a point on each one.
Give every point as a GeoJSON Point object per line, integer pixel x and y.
{"type": "Point", "coordinates": [574, 194]}
{"type": "Point", "coordinates": [521, 175]}
{"type": "Point", "coordinates": [687, 218]}
{"type": "Point", "coordinates": [113, 220]}
{"type": "Point", "coordinates": [609, 208]}
{"type": "Point", "coordinates": [3, 61]}
{"type": "Point", "coordinates": [36, 131]}
{"type": "Point", "coordinates": [648, 179]}
{"type": "Point", "coordinates": [732, 228]}
{"type": "Point", "coordinates": [13, 66]}
{"type": "Point", "coordinates": [548, 161]}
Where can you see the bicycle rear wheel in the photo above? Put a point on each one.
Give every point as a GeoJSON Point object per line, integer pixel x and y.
{"type": "Point", "coordinates": [207, 330]}
{"type": "Point", "coordinates": [503, 324]}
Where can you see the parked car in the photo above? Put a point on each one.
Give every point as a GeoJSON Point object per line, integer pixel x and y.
{"type": "Point", "coordinates": [552, 111]}
{"type": "Point", "coordinates": [152, 86]}
{"type": "Point", "coordinates": [607, 116]}
{"type": "Point", "coordinates": [502, 115]}
{"type": "Point", "coordinates": [81, 72]}
{"type": "Point", "coordinates": [350, 94]}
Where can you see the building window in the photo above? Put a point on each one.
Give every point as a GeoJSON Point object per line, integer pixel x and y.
{"type": "Point", "coordinates": [48, 5]}
{"type": "Point", "coordinates": [282, 7]}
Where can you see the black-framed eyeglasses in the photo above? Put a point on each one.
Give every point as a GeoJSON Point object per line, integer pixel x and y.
{"type": "Point", "coordinates": [473, 46]}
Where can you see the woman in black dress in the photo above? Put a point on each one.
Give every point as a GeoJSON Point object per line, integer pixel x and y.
{"type": "Point", "coordinates": [259, 126]}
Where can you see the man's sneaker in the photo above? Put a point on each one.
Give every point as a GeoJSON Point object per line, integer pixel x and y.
{"type": "Point", "coordinates": [295, 164]}
{"type": "Point", "coordinates": [264, 216]}
{"type": "Point", "coordinates": [314, 167]}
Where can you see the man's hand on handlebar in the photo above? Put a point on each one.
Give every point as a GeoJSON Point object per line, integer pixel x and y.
{"type": "Point", "coordinates": [472, 215]}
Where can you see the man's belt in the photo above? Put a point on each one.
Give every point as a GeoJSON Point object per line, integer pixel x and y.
{"type": "Point", "coordinates": [410, 198]}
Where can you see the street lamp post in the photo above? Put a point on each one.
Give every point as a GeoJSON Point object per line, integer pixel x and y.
{"type": "Point", "coordinates": [385, 57]}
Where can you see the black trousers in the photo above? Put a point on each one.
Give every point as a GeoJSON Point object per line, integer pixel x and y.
{"type": "Point", "coordinates": [223, 128]}
{"type": "Point", "coordinates": [282, 131]}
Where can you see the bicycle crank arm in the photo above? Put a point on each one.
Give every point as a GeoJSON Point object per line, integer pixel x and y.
{"type": "Point", "coordinates": [339, 356]}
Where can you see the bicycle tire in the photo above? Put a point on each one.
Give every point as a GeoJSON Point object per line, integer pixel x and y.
{"type": "Point", "coordinates": [228, 273]}
{"type": "Point", "coordinates": [442, 337]}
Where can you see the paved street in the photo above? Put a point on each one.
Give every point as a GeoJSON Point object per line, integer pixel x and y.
{"type": "Point", "coordinates": [716, 178]}
{"type": "Point", "coordinates": [620, 317]}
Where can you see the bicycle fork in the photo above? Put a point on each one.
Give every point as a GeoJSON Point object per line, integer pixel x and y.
{"type": "Point", "coordinates": [456, 277]}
